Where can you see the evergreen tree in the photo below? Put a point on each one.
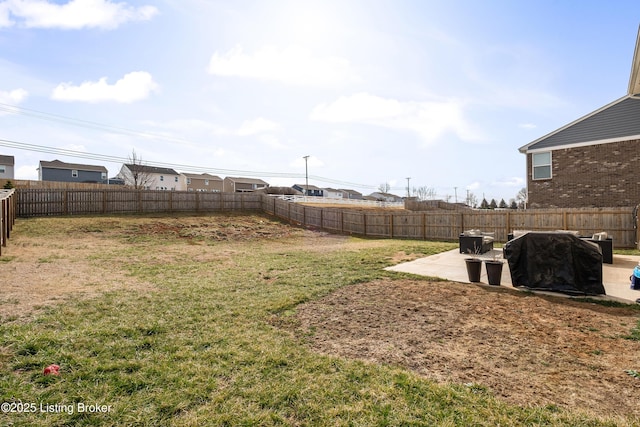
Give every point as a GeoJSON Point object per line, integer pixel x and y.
{"type": "Point", "coordinates": [503, 204]}
{"type": "Point", "coordinates": [484, 204]}
{"type": "Point", "coordinates": [493, 204]}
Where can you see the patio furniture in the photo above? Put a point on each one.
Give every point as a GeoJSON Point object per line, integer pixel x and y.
{"type": "Point", "coordinates": [606, 246]}
{"type": "Point", "coordinates": [475, 242]}
{"type": "Point", "coordinates": [555, 261]}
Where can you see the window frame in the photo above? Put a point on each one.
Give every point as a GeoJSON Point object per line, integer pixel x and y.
{"type": "Point", "coordinates": [535, 166]}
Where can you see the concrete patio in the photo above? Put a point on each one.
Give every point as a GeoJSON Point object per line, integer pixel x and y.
{"type": "Point", "coordinates": [451, 266]}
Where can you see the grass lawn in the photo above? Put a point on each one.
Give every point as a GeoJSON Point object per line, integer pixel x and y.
{"type": "Point", "coordinates": [173, 321]}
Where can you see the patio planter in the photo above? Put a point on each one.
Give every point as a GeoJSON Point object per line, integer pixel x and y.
{"type": "Point", "coordinates": [474, 268]}
{"type": "Point", "coordinates": [494, 272]}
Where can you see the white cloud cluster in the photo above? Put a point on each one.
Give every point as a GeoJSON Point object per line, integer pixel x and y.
{"type": "Point", "coordinates": [132, 87]}
{"type": "Point", "coordinates": [293, 65]}
{"type": "Point", "coordinates": [428, 119]}
{"type": "Point", "coordinates": [76, 14]}
{"type": "Point", "coordinates": [15, 96]}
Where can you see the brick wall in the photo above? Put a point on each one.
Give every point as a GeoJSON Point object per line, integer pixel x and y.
{"type": "Point", "coordinates": [603, 175]}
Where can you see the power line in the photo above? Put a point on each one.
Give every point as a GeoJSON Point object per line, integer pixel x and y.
{"type": "Point", "coordinates": [181, 167]}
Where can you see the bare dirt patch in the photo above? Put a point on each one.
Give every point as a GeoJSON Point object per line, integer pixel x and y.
{"type": "Point", "coordinates": [526, 349]}
{"type": "Point", "coordinates": [37, 273]}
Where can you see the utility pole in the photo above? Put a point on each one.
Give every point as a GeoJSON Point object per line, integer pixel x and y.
{"type": "Point", "coordinates": [408, 195]}
{"type": "Point", "coordinates": [306, 174]}
{"type": "Point", "coordinates": [455, 190]}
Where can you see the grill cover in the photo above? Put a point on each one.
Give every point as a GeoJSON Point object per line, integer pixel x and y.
{"type": "Point", "coordinates": [554, 261]}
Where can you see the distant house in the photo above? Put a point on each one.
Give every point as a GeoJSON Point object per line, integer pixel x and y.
{"type": "Point", "coordinates": [7, 164]}
{"type": "Point", "coordinates": [309, 190]}
{"type": "Point", "coordinates": [332, 193]}
{"type": "Point", "coordinates": [203, 182]}
{"type": "Point", "coordinates": [71, 172]}
{"type": "Point", "coordinates": [384, 197]}
{"type": "Point", "coordinates": [351, 194]}
{"type": "Point", "coordinates": [242, 185]}
{"type": "Point", "coordinates": [152, 178]}
{"type": "Point", "coordinates": [593, 161]}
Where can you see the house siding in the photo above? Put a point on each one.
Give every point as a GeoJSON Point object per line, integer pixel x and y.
{"type": "Point", "coordinates": [617, 120]}
{"type": "Point", "coordinates": [599, 175]}
{"type": "Point", "coordinates": [65, 175]}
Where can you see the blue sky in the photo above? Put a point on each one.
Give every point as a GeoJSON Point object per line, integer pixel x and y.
{"type": "Point", "coordinates": [443, 92]}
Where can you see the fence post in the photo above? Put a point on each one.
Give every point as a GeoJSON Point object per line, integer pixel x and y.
{"type": "Point", "coordinates": [424, 226]}
{"type": "Point", "coordinates": [65, 200]}
{"type": "Point", "coordinates": [364, 221]}
{"type": "Point", "coordinates": [391, 226]}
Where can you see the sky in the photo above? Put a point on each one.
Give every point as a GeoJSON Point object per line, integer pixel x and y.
{"type": "Point", "coordinates": [418, 93]}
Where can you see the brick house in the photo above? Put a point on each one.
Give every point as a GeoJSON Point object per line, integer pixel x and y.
{"type": "Point", "coordinates": [593, 161]}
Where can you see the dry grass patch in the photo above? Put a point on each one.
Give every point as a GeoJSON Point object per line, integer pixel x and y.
{"type": "Point", "coordinates": [527, 350]}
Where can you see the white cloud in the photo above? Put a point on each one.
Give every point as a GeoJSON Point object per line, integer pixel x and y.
{"type": "Point", "coordinates": [15, 96]}
{"type": "Point", "coordinates": [250, 127]}
{"type": "Point", "coordinates": [429, 119]}
{"type": "Point", "coordinates": [259, 125]}
{"type": "Point", "coordinates": [527, 126]}
{"type": "Point", "coordinates": [510, 182]}
{"type": "Point", "coordinates": [27, 172]}
{"type": "Point", "coordinates": [294, 65]}
{"type": "Point", "coordinates": [76, 14]}
{"type": "Point", "coordinates": [132, 87]}
{"type": "Point", "coordinates": [473, 186]}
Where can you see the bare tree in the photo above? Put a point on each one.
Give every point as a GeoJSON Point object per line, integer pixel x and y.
{"type": "Point", "coordinates": [424, 193]}
{"type": "Point", "coordinates": [522, 198]}
{"type": "Point", "coordinates": [384, 187]}
{"type": "Point", "coordinates": [471, 200]}
{"type": "Point", "coordinates": [139, 173]}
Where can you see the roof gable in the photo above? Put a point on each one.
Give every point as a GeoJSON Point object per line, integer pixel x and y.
{"type": "Point", "coordinates": [150, 169]}
{"type": "Point", "coordinates": [615, 121]}
{"type": "Point", "coordinates": [57, 164]}
{"type": "Point", "coordinates": [7, 160]}
{"type": "Point", "coordinates": [246, 180]}
{"type": "Point", "coordinates": [202, 176]}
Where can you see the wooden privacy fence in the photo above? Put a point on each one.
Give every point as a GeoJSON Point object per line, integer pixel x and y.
{"type": "Point", "coordinates": [43, 202]}
{"type": "Point", "coordinates": [447, 225]}
{"type": "Point", "coordinates": [7, 215]}
{"type": "Point", "coordinates": [429, 225]}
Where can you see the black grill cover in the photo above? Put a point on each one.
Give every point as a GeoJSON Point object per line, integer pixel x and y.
{"type": "Point", "coordinates": [559, 262]}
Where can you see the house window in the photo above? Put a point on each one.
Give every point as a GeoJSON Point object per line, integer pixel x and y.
{"type": "Point", "coordinates": [161, 177]}
{"type": "Point", "coordinates": [103, 175]}
{"type": "Point", "coordinates": [74, 173]}
{"type": "Point", "coordinates": [206, 182]}
{"type": "Point", "coordinates": [2, 169]}
{"type": "Point", "coordinates": [175, 179]}
{"type": "Point", "coordinates": [541, 165]}
{"type": "Point", "coordinates": [188, 181]}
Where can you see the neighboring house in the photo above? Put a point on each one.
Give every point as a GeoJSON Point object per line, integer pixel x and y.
{"type": "Point", "coordinates": [152, 178]}
{"type": "Point", "coordinates": [242, 185]}
{"type": "Point", "coordinates": [203, 182]}
{"type": "Point", "coordinates": [351, 194]}
{"type": "Point", "coordinates": [71, 172]}
{"type": "Point", "coordinates": [311, 190]}
{"type": "Point", "coordinates": [332, 193]}
{"type": "Point", "coordinates": [593, 161]}
{"type": "Point", "coordinates": [384, 197]}
{"type": "Point", "coordinates": [7, 164]}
